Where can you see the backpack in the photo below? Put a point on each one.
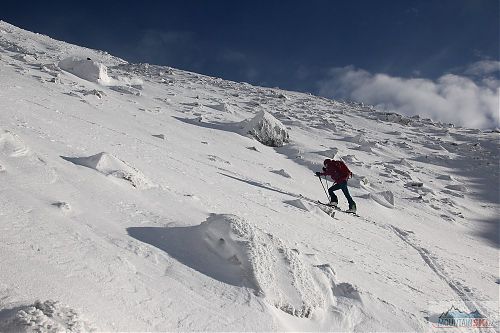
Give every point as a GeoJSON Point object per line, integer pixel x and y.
{"type": "Point", "coordinates": [342, 169]}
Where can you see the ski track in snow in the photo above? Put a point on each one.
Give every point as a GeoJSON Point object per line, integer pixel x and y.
{"type": "Point", "coordinates": [145, 198]}
{"type": "Point", "coordinates": [434, 266]}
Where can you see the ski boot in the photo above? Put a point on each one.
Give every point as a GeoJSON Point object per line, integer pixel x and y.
{"type": "Point", "coordinates": [352, 209]}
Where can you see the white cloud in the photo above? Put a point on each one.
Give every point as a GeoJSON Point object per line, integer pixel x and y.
{"type": "Point", "coordinates": [483, 67]}
{"type": "Point", "coordinates": [451, 98]}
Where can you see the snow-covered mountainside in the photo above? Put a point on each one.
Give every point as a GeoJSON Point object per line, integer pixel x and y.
{"type": "Point", "coordinates": [136, 197]}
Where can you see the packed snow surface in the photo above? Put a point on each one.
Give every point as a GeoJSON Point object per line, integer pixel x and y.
{"type": "Point", "coordinates": [136, 197]}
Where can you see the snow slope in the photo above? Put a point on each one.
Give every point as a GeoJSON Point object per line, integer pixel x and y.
{"type": "Point", "coordinates": [131, 200]}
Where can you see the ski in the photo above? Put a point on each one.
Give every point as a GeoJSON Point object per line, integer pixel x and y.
{"type": "Point", "coordinates": [330, 211]}
{"type": "Point", "coordinates": [337, 208]}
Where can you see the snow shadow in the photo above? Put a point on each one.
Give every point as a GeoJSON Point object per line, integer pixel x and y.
{"type": "Point", "coordinates": [220, 126]}
{"type": "Point", "coordinates": [295, 154]}
{"type": "Point", "coordinates": [5, 314]}
{"type": "Point", "coordinates": [8, 319]}
{"type": "Point", "coordinates": [475, 159]}
{"type": "Point", "coordinates": [254, 183]}
{"type": "Point", "coordinates": [490, 231]}
{"type": "Point", "coordinates": [188, 246]}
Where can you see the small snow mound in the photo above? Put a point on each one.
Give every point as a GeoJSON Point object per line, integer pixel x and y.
{"type": "Point", "coordinates": [63, 206]}
{"type": "Point", "coordinates": [27, 58]}
{"type": "Point", "coordinates": [48, 316]}
{"type": "Point", "coordinates": [360, 139]}
{"type": "Point", "coordinates": [86, 69]}
{"type": "Point", "coordinates": [358, 181]}
{"type": "Point", "coordinates": [12, 145]}
{"type": "Point", "coordinates": [342, 291]}
{"type": "Point", "coordinates": [366, 147]}
{"type": "Point", "coordinates": [384, 198]}
{"type": "Point", "coordinates": [349, 159]}
{"type": "Point", "coordinates": [457, 187]}
{"type": "Point", "coordinates": [110, 165]}
{"type": "Point", "coordinates": [221, 107]}
{"type": "Point", "coordinates": [445, 177]}
{"type": "Point", "coordinates": [282, 172]}
{"type": "Point", "coordinates": [414, 184]}
{"type": "Point", "coordinates": [267, 129]}
{"type": "Point", "coordinates": [394, 118]}
{"type": "Point", "coordinates": [404, 162]}
{"type": "Point", "coordinates": [363, 143]}
{"type": "Point", "coordinates": [159, 136]}
{"type": "Point", "coordinates": [124, 89]}
{"type": "Point", "coordinates": [330, 153]}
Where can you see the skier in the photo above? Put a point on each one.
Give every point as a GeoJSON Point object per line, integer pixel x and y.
{"type": "Point", "coordinates": [340, 173]}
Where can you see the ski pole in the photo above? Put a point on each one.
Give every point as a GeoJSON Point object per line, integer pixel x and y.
{"type": "Point", "coordinates": [323, 186]}
{"type": "Point", "coordinates": [327, 186]}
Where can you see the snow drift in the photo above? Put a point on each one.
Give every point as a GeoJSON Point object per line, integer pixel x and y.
{"type": "Point", "coordinates": [230, 249]}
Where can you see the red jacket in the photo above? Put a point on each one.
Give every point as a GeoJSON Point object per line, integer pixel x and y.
{"type": "Point", "coordinates": [337, 170]}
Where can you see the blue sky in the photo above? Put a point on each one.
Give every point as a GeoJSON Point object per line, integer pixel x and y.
{"type": "Point", "coordinates": [310, 46]}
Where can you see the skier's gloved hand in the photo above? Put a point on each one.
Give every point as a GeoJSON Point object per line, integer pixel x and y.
{"type": "Point", "coordinates": [318, 173]}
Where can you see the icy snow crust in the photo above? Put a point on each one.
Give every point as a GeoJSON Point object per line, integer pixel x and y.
{"type": "Point", "coordinates": [144, 198]}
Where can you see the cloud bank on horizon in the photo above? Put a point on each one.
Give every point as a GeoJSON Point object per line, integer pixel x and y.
{"type": "Point", "coordinates": [470, 99]}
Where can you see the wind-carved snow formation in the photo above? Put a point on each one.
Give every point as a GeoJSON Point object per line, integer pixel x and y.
{"type": "Point", "coordinates": [230, 249]}
{"type": "Point", "coordinates": [275, 270]}
{"type": "Point", "coordinates": [267, 130]}
{"type": "Point", "coordinates": [110, 165]}
{"type": "Point", "coordinates": [86, 69]}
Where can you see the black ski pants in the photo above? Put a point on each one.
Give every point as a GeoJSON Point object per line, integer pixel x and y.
{"type": "Point", "coordinates": [341, 186]}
